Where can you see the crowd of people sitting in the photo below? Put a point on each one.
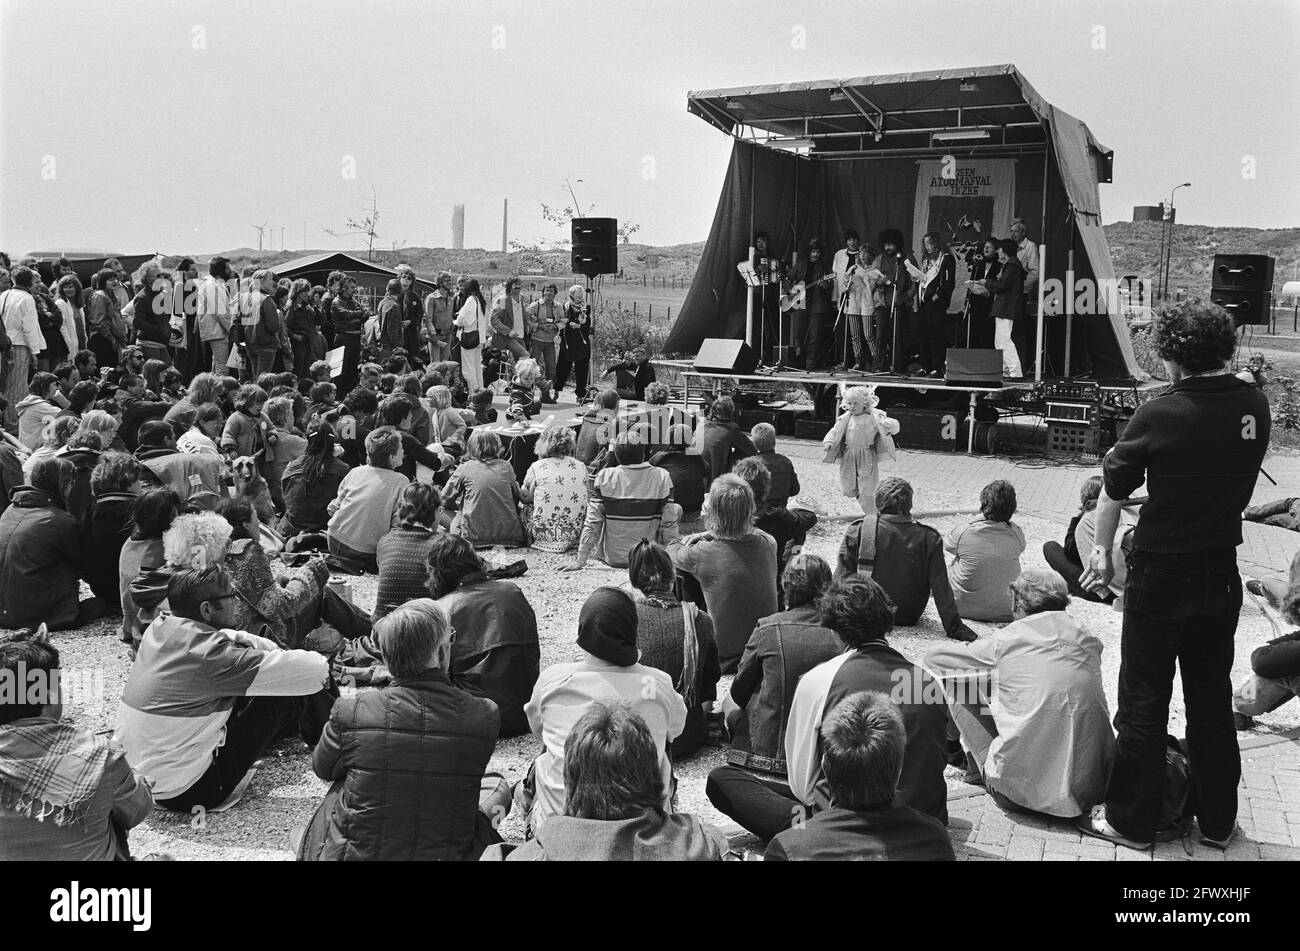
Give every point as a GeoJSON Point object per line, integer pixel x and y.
{"type": "Point", "coordinates": [219, 514]}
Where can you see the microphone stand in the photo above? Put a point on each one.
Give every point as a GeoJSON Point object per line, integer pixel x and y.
{"type": "Point", "coordinates": [893, 310]}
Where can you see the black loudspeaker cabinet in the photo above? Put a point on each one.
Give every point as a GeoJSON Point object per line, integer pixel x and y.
{"type": "Point", "coordinates": [973, 367]}
{"type": "Point", "coordinates": [945, 430]}
{"type": "Point", "coordinates": [812, 428]}
{"type": "Point", "coordinates": [752, 417]}
{"type": "Point", "coordinates": [1245, 306]}
{"type": "Point", "coordinates": [719, 355]}
{"type": "Point", "coordinates": [595, 246]}
{"type": "Point", "coordinates": [1251, 272]}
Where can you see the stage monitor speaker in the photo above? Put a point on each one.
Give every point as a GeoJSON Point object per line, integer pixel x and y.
{"type": "Point", "coordinates": [595, 246]}
{"type": "Point", "coordinates": [973, 367]}
{"type": "Point", "coordinates": [941, 429]}
{"type": "Point", "coordinates": [1250, 272]}
{"type": "Point", "coordinates": [725, 356]}
{"type": "Point", "coordinates": [1245, 306]}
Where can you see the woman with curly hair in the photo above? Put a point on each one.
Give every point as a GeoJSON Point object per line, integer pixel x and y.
{"type": "Point", "coordinates": [113, 486]}
{"type": "Point", "coordinates": [402, 553]}
{"type": "Point", "coordinates": [270, 600]}
{"type": "Point", "coordinates": [555, 492]}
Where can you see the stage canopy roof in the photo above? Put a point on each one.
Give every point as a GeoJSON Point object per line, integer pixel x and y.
{"type": "Point", "coordinates": [852, 142]}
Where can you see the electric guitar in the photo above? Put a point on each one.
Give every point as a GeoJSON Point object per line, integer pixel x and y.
{"type": "Point", "coordinates": [796, 298]}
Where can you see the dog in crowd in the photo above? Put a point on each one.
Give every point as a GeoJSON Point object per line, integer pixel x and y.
{"type": "Point", "coordinates": [249, 484]}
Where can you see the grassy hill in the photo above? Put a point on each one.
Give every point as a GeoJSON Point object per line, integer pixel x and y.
{"type": "Point", "coordinates": [1135, 249]}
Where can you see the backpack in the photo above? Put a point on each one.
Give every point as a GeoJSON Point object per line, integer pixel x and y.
{"type": "Point", "coordinates": [1177, 808]}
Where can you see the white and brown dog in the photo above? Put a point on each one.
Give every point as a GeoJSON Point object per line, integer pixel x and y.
{"type": "Point", "coordinates": [250, 485]}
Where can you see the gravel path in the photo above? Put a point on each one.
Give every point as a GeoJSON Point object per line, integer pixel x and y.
{"type": "Point", "coordinates": [284, 793]}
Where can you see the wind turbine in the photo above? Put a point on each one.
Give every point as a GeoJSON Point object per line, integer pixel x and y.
{"type": "Point", "coordinates": [260, 229]}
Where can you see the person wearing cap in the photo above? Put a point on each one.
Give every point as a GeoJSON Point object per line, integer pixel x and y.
{"type": "Point", "coordinates": [609, 672]}
{"type": "Point", "coordinates": [1030, 704]}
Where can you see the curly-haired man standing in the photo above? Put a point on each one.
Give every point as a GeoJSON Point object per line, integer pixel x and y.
{"type": "Point", "coordinates": [1199, 447]}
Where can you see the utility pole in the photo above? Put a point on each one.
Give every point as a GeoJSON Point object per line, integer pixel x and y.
{"type": "Point", "coordinates": [505, 222]}
{"type": "Point", "coordinates": [281, 237]}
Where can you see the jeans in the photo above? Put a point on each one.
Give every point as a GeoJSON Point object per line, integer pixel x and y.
{"type": "Point", "coordinates": [220, 354]}
{"type": "Point", "coordinates": [1258, 695]}
{"type": "Point", "coordinates": [763, 805]}
{"type": "Point", "coordinates": [255, 724]}
{"type": "Point", "coordinates": [439, 349]}
{"type": "Point", "coordinates": [1056, 558]}
{"type": "Point", "coordinates": [1281, 513]}
{"type": "Point", "coordinates": [544, 354]}
{"type": "Point", "coordinates": [1181, 608]}
{"type": "Point", "coordinates": [1002, 341]}
{"type": "Point", "coordinates": [260, 361]}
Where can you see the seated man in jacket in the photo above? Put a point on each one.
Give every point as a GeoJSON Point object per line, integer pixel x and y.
{"type": "Point", "coordinates": [629, 501]}
{"type": "Point", "coordinates": [863, 742]}
{"type": "Point", "coordinates": [407, 760]}
{"type": "Point", "coordinates": [597, 429]}
{"type": "Point", "coordinates": [65, 793]}
{"type": "Point", "coordinates": [904, 557]}
{"type": "Point", "coordinates": [198, 478]}
{"type": "Point", "coordinates": [613, 803]}
{"type": "Point", "coordinates": [720, 440]}
{"type": "Point", "coordinates": [686, 471]}
{"type": "Point", "coordinates": [399, 412]}
{"type": "Point", "coordinates": [859, 611]}
{"type": "Point", "coordinates": [633, 374]}
{"type": "Point", "coordinates": [203, 702]}
{"type": "Point", "coordinates": [1275, 667]}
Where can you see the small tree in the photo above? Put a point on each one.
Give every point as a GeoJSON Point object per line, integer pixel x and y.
{"type": "Point", "coordinates": [366, 226]}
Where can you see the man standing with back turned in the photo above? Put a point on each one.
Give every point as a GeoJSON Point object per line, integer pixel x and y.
{"type": "Point", "coordinates": [1199, 447]}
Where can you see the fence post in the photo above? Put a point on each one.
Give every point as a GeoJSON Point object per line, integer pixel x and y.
{"type": "Point", "coordinates": [670, 313]}
{"type": "Point", "coordinates": [633, 308]}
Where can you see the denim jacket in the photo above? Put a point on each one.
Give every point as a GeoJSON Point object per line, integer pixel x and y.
{"type": "Point", "coordinates": [782, 649]}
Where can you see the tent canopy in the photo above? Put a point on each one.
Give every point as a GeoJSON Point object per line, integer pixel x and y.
{"type": "Point", "coordinates": [316, 268]}
{"type": "Point", "coordinates": [810, 159]}
{"type": "Point", "coordinates": [86, 261]}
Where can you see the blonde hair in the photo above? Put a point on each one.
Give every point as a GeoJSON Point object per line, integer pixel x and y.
{"type": "Point", "coordinates": [528, 369]}
{"type": "Point", "coordinates": [729, 509]}
{"type": "Point", "coordinates": [866, 393]}
{"type": "Point", "coordinates": [197, 541]}
{"type": "Point", "coordinates": [439, 397]}
{"type": "Point", "coordinates": [99, 421]}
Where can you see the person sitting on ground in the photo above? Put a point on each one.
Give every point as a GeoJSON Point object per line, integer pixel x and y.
{"type": "Point", "coordinates": [659, 419]}
{"type": "Point", "coordinates": [788, 527]}
{"type": "Point", "coordinates": [597, 429]}
{"type": "Point", "coordinates": [1063, 556]}
{"type": "Point", "coordinates": [408, 384]}
{"type": "Point", "coordinates": [986, 556]}
{"type": "Point", "coordinates": [81, 398]}
{"type": "Point", "coordinates": [103, 421]}
{"type": "Point", "coordinates": [782, 649]}
{"type": "Point", "coordinates": [1280, 513]}
{"type": "Point", "coordinates": [686, 471]}
{"type": "Point", "coordinates": [613, 801]}
{"type": "Point", "coordinates": [136, 408]}
{"type": "Point", "coordinates": [247, 430]}
{"type": "Point", "coordinates": [447, 425]}
{"type": "Point", "coordinates": [496, 653]}
{"type": "Point", "coordinates": [677, 638]}
{"type": "Point", "coordinates": [114, 485]}
{"type": "Point", "coordinates": [11, 468]}
{"type": "Point", "coordinates": [55, 438]}
{"type": "Point", "coordinates": [408, 760]}
{"type": "Point", "coordinates": [904, 556]}
{"type": "Point", "coordinates": [785, 481]}
{"type": "Point", "coordinates": [864, 744]}
{"type": "Point", "coordinates": [633, 374]}
{"type": "Point", "coordinates": [287, 446]}
{"type": "Point", "coordinates": [483, 410]}
{"type": "Point", "coordinates": [142, 553]}
{"type": "Point", "coordinates": [203, 435]}
{"type": "Point", "coordinates": [324, 400]}
{"type": "Point", "coordinates": [83, 451]}
{"type": "Point", "coordinates": [1030, 704]}
{"type": "Point", "coordinates": [608, 673]}
{"type": "Point", "coordinates": [398, 413]}
{"type": "Point", "coordinates": [199, 479]}
{"type": "Point", "coordinates": [180, 719]}
{"type": "Point", "coordinates": [629, 501]}
{"type": "Point", "coordinates": [311, 482]}
{"type": "Point", "coordinates": [271, 599]}
{"type": "Point", "coordinates": [731, 565]}
{"type": "Point", "coordinates": [485, 496]}
{"type": "Point", "coordinates": [41, 560]}
{"type": "Point", "coordinates": [554, 493]}
{"type": "Point", "coordinates": [720, 441]}
{"type": "Point", "coordinates": [203, 389]}
{"type": "Point", "coordinates": [1275, 667]}
{"type": "Point", "coordinates": [858, 610]}
{"type": "Point", "coordinates": [523, 398]}
{"type": "Point", "coordinates": [402, 554]}
{"type": "Point", "coordinates": [365, 508]}
{"type": "Point", "coordinates": [37, 408]}
{"type": "Point", "coordinates": [66, 793]}
{"type": "Point", "coordinates": [353, 422]}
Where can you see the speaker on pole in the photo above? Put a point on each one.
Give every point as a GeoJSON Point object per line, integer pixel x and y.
{"type": "Point", "coordinates": [719, 355]}
{"type": "Point", "coordinates": [595, 246]}
{"type": "Point", "coordinates": [1242, 284]}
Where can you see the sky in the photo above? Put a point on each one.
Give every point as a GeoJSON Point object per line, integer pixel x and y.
{"type": "Point", "coordinates": [178, 126]}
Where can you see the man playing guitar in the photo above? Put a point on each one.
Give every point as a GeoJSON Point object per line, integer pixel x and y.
{"type": "Point", "coordinates": [808, 302]}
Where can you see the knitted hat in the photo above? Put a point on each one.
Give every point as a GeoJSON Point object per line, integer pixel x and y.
{"type": "Point", "coordinates": [607, 626]}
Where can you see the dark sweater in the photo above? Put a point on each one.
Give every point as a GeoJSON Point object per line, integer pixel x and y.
{"type": "Point", "coordinates": [888, 833]}
{"type": "Point", "coordinates": [1199, 447]}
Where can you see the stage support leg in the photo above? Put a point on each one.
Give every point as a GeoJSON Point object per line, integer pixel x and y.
{"type": "Point", "coordinates": [749, 302]}
{"type": "Point", "coordinates": [1038, 346]}
{"type": "Point", "coordinates": [1069, 310]}
{"type": "Point", "coordinates": [970, 426]}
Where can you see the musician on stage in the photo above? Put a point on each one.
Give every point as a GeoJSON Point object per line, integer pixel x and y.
{"type": "Point", "coordinates": [854, 297]}
{"type": "Point", "coordinates": [984, 266]}
{"type": "Point", "coordinates": [891, 287]}
{"type": "Point", "coordinates": [938, 279]}
{"type": "Point", "coordinates": [808, 322]}
{"type": "Point", "coordinates": [770, 271]}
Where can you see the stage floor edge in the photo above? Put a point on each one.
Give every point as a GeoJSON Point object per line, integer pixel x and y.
{"type": "Point", "coordinates": [826, 379]}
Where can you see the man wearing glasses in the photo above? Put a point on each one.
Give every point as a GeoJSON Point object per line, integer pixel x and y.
{"type": "Point", "coordinates": [203, 701]}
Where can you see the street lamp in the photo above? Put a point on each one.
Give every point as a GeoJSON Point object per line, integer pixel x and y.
{"type": "Point", "coordinates": [1168, 244]}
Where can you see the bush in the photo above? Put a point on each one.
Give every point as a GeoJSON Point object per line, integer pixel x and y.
{"type": "Point", "coordinates": [617, 331]}
{"type": "Point", "coordinates": [1144, 349]}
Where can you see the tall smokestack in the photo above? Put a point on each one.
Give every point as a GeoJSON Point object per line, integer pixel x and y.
{"type": "Point", "coordinates": [458, 227]}
{"type": "Point", "coordinates": [505, 223]}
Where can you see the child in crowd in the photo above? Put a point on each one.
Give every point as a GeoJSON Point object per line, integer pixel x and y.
{"type": "Point", "coordinates": [247, 430]}
{"type": "Point", "coordinates": [447, 425]}
{"type": "Point", "coordinates": [857, 440]}
{"type": "Point", "coordinates": [454, 381]}
{"type": "Point", "coordinates": [481, 403]}
{"type": "Point", "coordinates": [785, 481]}
{"type": "Point", "coordinates": [202, 437]}
{"type": "Point", "coordinates": [522, 397]}
{"type": "Point", "coordinates": [324, 400]}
